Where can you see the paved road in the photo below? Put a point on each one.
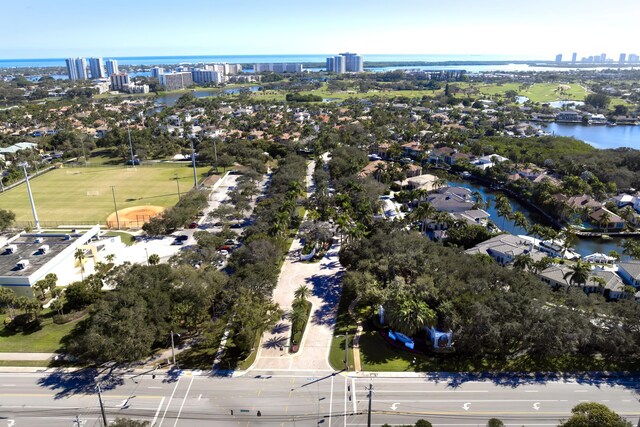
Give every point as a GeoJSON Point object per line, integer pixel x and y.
{"type": "Point", "coordinates": [298, 399]}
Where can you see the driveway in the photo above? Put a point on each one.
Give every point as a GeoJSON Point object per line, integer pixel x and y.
{"type": "Point", "coordinates": [323, 278]}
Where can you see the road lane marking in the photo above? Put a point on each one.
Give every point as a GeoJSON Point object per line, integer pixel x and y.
{"type": "Point", "coordinates": [431, 392]}
{"type": "Point", "coordinates": [466, 406]}
{"type": "Point", "coordinates": [580, 391]}
{"type": "Point", "coordinates": [345, 400]}
{"type": "Point", "coordinates": [154, 386]}
{"type": "Point", "coordinates": [164, 414]}
{"type": "Point", "coordinates": [157, 412]}
{"type": "Point", "coordinates": [536, 406]}
{"type": "Point", "coordinates": [331, 401]}
{"type": "Point", "coordinates": [8, 385]}
{"type": "Point", "coordinates": [353, 394]}
{"type": "Point", "coordinates": [531, 391]}
{"type": "Point", "coordinates": [184, 401]}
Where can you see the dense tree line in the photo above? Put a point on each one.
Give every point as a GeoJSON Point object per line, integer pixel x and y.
{"type": "Point", "coordinates": [180, 215]}
{"type": "Point", "coordinates": [493, 312]}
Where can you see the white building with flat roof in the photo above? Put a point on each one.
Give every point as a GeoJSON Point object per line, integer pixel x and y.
{"type": "Point", "coordinates": [27, 258]}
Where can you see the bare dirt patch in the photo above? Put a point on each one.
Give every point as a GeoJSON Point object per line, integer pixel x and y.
{"type": "Point", "coordinates": [134, 217]}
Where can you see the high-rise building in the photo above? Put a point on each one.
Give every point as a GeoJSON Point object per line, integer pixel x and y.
{"type": "Point", "coordinates": [603, 57]}
{"type": "Point", "coordinates": [559, 57]}
{"type": "Point", "coordinates": [207, 76]}
{"type": "Point", "coordinates": [353, 62]}
{"type": "Point", "coordinates": [285, 67]}
{"type": "Point", "coordinates": [574, 56]}
{"type": "Point", "coordinates": [81, 67]}
{"type": "Point", "coordinates": [336, 64]}
{"type": "Point", "coordinates": [71, 69]}
{"type": "Point", "coordinates": [119, 81]}
{"type": "Point", "coordinates": [112, 67]}
{"type": "Point", "coordinates": [96, 65]}
{"type": "Point", "coordinates": [176, 81]}
{"type": "Point", "coordinates": [156, 72]}
{"type": "Point", "coordinates": [345, 62]}
{"type": "Point", "coordinates": [633, 58]}
{"type": "Point", "coordinates": [623, 58]}
{"type": "Point", "coordinates": [77, 68]}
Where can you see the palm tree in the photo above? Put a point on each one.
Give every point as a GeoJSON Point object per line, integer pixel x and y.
{"type": "Point", "coordinates": [58, 306]}
{"type": "Point", "coordinates": [8, 298]}
{"type": "Point", "coordinates": [604, 220]}
{"type": "Point", "coordinates": [579, 273]}
{"type": "Point", "coordinates": [408, 315]}
{"type": "Point", "coordinates": [523, 262]}
{"type": "Point", "coordinates": [302, 292]}
{"type": "Point", "coordinates": [422, 213]}
{"type": "Point", "coordinates": [631, 248]}
{"type": "Point", "coordinates": [154, 259]}
{"type": "Point", "coordinates": [110, 257]}
{"type": "Point", "coordinates": [520, 219]}
{"type": "Point", "coordinates": [569, 238]}
{"type": "Point", "coordinates": [79, 256]}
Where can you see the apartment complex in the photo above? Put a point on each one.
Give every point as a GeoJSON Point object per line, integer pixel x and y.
{"type": "Point", "coordinates": [176, 81]}
{"type": "Point", "coordinates": [207, 76]}
{"type": "Point", "coordinates": [345, 63]}
{"type": "Point", "coordinates": [112, 67]}
{"type": "Point", "coordinates": [285, 67]}
{"type": "Point", "coordinates": [96, 65]}
{"type": "Point", "coordinates": [77, 68]}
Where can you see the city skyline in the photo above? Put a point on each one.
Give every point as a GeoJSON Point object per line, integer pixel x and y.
{"type": "Point", "coordinates": [406, 27]}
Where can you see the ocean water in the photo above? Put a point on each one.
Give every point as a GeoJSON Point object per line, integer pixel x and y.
{"type": "Point", "coordinates": [248, 59]}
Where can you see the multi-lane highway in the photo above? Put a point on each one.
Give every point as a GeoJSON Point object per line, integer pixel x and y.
{"type": "Point", "coordinates": [297, 399]}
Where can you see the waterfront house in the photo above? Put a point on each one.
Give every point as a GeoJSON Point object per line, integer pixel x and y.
{"type": "Point", "coordinates": [622, 200]}
{"type": "Point", "coordinates": [569, 116]}
{"type": "Point", "coordinates": [486, 162]}
{"type": "Point", "coordinates": [604, 282]}
{"type": "Point", "coordinates": [613, 222]}
{"type": "Point", "coordinates": [437, 155]}
{"type": "Point", "coordinates": [413, 150]}
{"type": "Point", "coordinates": [505, 248]}
{"type": "Point", "coordinates": [630, 272]}
{"type": "Point", "coordinates": [583, 202]}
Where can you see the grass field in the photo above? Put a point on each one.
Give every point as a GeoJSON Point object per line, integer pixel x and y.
{"type": "Point", "coordinates": [83, 194]}
{"type": "Point", "coordinates": [44, 340]}
{"type": "Point", "coordinates": [539, 92]}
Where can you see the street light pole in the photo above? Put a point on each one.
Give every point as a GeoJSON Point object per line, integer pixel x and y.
{"type": "Point", "coordinates": [147, 252]}
{"type": "Point", "coordinates": [369, 411]}
{"type": "Point", "coordinates": [173, 349]}
{"type": "Point", "coordinates": [113, 192]}
{"type": "Point", "coordinates": [193, 164]}
{"type": "Point", "coordinates": [33, 205]}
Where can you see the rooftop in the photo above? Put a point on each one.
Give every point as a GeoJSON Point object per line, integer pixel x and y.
{"type": "Point", "coordinates": [26, 248]}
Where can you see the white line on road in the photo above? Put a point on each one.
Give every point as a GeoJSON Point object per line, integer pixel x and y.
{"type": "Point", "coordinates": [164, 414]}
{"type": "Point", "coordinates": [353, 394]}
{"type": "Point", "coordinates": [432, 391]}
{"type": "Point", "coordinates": [154, 387]}
{"type": "Point", "coordinates": [183, 402]}
{"type": "Point", "coordinates": [8, 385]}
{"type": "Point", "coordinates": [580, 391]}
{"type": "Point", "coordinates": [345, 400]}
{"type": "Point", "coordinates": [465, 401]}
{"type": "Point", "coordinates": [531, 391]}
{"type": "Point", "coordinates": [331, 401]}
{"type": "Point", "coordinates": [153, 423]}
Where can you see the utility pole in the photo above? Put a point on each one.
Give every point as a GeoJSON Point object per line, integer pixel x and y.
{"type": "Point", "coordinates": [370, 389]}
{"type": "Point", "coordinates": [133, 163]}
{"type": "Point", "coordinates": [113, 192]}
{"type": "Point", "coordinates": [104, 416]}
{"type": "Point", "coordinates": [173, 349]}
{"type": "Point", "coordinates": [33, 205]}
{"type": "Point", "coordinates": [193, 164]}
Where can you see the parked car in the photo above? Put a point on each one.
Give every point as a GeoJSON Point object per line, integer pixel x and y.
{"type": "Point", "coordinates": [193, 225]}
{"type": "Point", "coordinates": [178, 242]}
{"type": "Point", "coordinates": [182, 237]}
{"type": "Point", "coordinates": [223, 252]}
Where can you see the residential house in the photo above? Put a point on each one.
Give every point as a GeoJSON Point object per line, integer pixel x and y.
{"type": "Point", "coordinates": [613, 222]}
{"type": "Point", "coordinates": [438, 155]}
{"type": "Point", "coordinates": [453, 158]}
{"type": "Point", "coordinates": [582, 202]}
{"type": "Point", "coordinates": [630, 272]}
{"type": "Point", "coordinates": [504, 248]}
{"type": "Point", "coordinates": [569, 116]}
{"type": "Point", "coordinates": [451, 199]}
{"type": "Point", "coordinates": [622, 200]}
{"type": "Point", "coordinates": [604, 282]}
{"type": "Point", "coordinates": [490, 161]}
{"type": "Point", "coordinates": [413, 150]}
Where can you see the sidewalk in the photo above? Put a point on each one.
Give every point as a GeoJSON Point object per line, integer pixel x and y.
{"type": "Point", "coordinates": [27, 356]}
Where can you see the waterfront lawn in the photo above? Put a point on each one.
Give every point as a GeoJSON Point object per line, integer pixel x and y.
{"type": "Point", "coordinates": [539, 92]}
{"type": "Point", "coordinates": [44, 339]}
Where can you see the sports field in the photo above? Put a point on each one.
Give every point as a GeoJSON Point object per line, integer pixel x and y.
{"type": "Point", "coordinates": [83, 194]}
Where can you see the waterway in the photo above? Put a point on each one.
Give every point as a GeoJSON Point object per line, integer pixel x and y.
{"type": "Point", "coordinates": [599, 136]}
{"type": "Point", "coordinates": [583, 247]}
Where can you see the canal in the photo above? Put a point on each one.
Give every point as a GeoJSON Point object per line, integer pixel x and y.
{"type": "Point", "coordinates": [585, 246]}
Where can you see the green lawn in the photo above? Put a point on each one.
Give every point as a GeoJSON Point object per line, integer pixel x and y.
{"type": "Point", "coordinates": [46, 339]}
{"type": "Point", "coordinates": [344, 324]}
{"type": "Point", "coordinates": [83, 194]}
{"type": "Point", "coordinates": [538, 92]}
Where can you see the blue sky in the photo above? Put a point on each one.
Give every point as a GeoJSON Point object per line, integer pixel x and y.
{"type": "Point", "coordinates": [540, 28]}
